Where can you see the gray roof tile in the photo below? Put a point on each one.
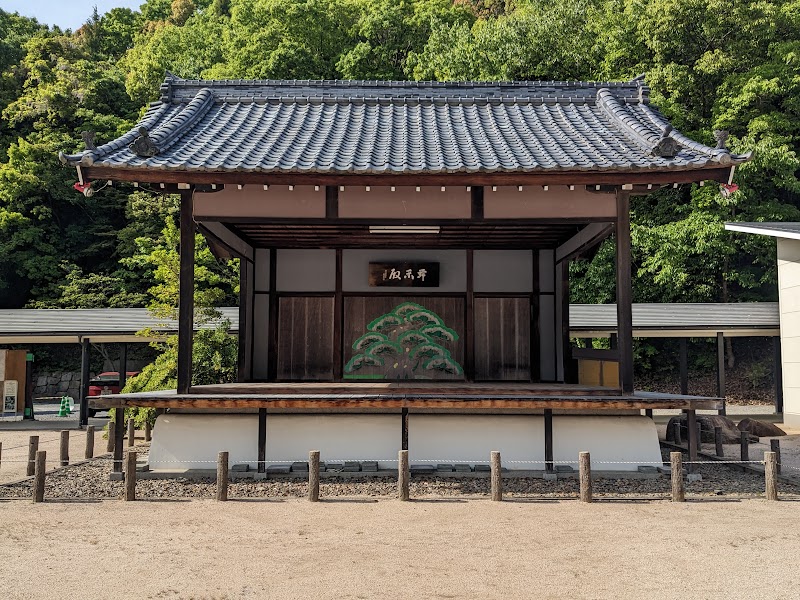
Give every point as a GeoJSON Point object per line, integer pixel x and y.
{"type": "Point", "coordinates": [426, 127]}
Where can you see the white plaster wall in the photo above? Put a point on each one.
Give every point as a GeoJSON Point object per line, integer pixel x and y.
{"type": "Point", "coordinates": [306, 270]}
{"type": "Point", "coordinates": [469, 438]}
{"type": "Point", "coordinates": [503, 271]}
{"type": "Point", "coordinates": [615, 439]}
{"type": "Point", "coordinates": [192, 441]}
{"type": "Point", "coordinates": [789, 306]}
{"type": "Point", "coordinates": [261, 268]}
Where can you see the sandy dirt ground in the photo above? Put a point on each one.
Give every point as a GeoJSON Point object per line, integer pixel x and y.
{"type": "Point", "coordinates": [360, 548]}
{"type": "Point", "coordinates": [15, 449]}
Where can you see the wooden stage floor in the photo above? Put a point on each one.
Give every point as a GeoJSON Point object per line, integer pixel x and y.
{"type": "Point", "coordinates": [447, 395]}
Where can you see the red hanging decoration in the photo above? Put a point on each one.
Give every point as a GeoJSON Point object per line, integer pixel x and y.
{"type": "Point", "coordinates": [726, 189]}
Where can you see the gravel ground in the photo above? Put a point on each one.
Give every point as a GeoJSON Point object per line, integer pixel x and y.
{"type": "Point", "coordinates": [371, 548]}
{"type": "Point", "coordinates": [91, 481]}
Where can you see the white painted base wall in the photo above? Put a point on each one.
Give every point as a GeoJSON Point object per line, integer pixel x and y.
{"type": "Point", "coordinates": [191, 441]}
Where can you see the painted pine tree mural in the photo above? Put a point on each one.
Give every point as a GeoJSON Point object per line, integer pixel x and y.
{"type": "Point", "coordinates": [409, 342]}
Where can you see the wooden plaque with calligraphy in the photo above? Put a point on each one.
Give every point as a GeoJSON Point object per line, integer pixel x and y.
{"type": "Point", "coordinates": [404, 274]}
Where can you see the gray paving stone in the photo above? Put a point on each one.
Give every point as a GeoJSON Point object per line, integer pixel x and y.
{"type": "Point", "coordinates": [279, 469]}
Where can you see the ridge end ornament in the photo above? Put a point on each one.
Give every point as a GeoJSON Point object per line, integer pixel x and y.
{"type": "Point", "coordinates": [721, 135]}
{"type": "Point", "coordinates": [143, 145]}
{"type": "Point", "coordinates": [666, 147]}
{"type": "Point", "coordinates": [88, 140]}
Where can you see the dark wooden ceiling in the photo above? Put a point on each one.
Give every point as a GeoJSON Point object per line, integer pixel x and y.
{"type": "Point", "coordinates": [475, 235]}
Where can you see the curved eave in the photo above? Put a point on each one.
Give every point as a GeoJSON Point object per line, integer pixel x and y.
{"type": "Point", "coordinates": [712, 172]}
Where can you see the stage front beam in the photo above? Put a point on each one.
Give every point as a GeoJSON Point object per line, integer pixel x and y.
{"type": "Point", "coordinates": [186, 294]}
{"type": "Point", "coordinates": [624, 292]}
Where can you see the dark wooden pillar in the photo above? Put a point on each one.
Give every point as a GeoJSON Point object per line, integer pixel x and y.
{"type": "Point", "coordinates": [469, 320]}
{"type": "Point", "coordinates": [570, 365]}
{"type": "Point", "coordinates": [262, 440]}
{"type": "Point", "coordinates": [123, 365]}
{"type": "Point", "coordinates": [83, 417]}
{"type": "Point", "coordinates": [119, 435]}
{"type": "Point", "coordinates": [721, 369]}
{"type": "Point", "coordinates": [272, 332]}
{"type": "Point", "coordinates": [624, 292]}
{"type": "Point", "coordinates": [778, 369]}
{"type": "Point", "coordinates": [186, 294]}
{"type": "Point", "coordinates": [245, 293]}
{"type": "Point", "coordinates": [404, 429]}
{"type": "Point", "coordinates": [691, 435]}
{"type": "Point", "coordinates": [536, 345]}
{"type": "Point", "coordinates": [338, 322]}
{"type": "Point", "coordinates": [548, 440]}
{"type": "Point", "coordinates": [684, 365]}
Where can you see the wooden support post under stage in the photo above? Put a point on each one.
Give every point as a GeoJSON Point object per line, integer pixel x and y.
{"type": "Point", "coordinates": [676, 466]}
{"type": "Point", "coordinates": [123, 365]}
{"type": "Point", "coordinates": [691, 434]}
{"type": "Point", "coordinates": [548, 440]}
{"type": "Point", "coordinates": [684, 365]}
{"type": "Point", "coordinates": [721, 369]}
{"type": "Point", "coordinates": [570, 364]}
{"type": "Point", "coordinates": [186, 294]}
{"type": "Point", "coordinates": [83, 418]}
{"type": "Point", "coordinates": [778, 370]}
{"type": "Point", "coordinates": [624, 292]}
{"type": "Point", "coordinates": [404, 429]}
{"type": "Point", "coordinates": [119, 436]}
{"type": "Point", "coordinates": [262, 440]}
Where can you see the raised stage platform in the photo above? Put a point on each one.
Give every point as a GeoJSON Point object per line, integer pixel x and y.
{"type": "Point", "coordinates": [443, 395]}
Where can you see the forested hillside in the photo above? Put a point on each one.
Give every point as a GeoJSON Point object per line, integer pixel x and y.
{"type": "Point", "coordinates": [712, 64]}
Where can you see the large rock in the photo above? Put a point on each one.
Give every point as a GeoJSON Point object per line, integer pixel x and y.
{"type": "Point", "coordinates": [760, 428]}
{"type": "Point", "coordinates": [730, 434]}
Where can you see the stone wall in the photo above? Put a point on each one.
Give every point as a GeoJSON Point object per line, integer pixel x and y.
{"type": "Point", "coordinates": [57, 383]}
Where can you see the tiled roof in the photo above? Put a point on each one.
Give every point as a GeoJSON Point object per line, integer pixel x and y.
{"type": "Point", "coordinates": [373, 127]}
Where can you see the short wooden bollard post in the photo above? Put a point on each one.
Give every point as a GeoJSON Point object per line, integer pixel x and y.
{"type": "Point", "coordinates": [775, 446]}
{"type": "Point", "coordinates": [1, 454]}
{"type": "Point", "coordinates": [497, 476]}
{"type": "Point", "coordinates": [131, 433]}
{"type": "Point", "coordinates": [89, 453]}
{"type": "Point", "coordinates": [111, 431]}
{"type": "Point", "coordinates": [771, 475]}
{"type": "Point", "coordinates": [130, 476]}
{"type": "Point", "coordinates": [222, 476]}
{"type": "Point", "coordinates": [585, 475]}
{"type": "Point", "coordinates": [33, 448]}
{"type": "Point", "coordinates": [40, 465]}
{"type": "Point", "coordinates": [148, 431]}
{"type": "Point", "coordinates": [313, 475]}
{"type": "Point", "coordinates": [718, 441]}
{"type": "Point", "coordinates": [403, 475]}
{"type": "Point", "coordinates": [676, 428]}
{"type": "Point", "coordinates": [676, 464]}
{"type": "Point", "coordinates": [744, 442]}
{"type": "Point", "coordinates": [63, 454]}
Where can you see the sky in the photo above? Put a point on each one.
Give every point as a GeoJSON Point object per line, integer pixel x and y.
{"type": "Point", "coordinates": [68, 14]}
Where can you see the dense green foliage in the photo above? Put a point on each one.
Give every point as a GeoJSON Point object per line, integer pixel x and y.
{"type": "Point", "coordinates": [712, 64]}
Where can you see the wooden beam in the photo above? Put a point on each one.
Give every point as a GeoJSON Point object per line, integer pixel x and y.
{"type": "Point", "coordinates": [83, 417]}
{"type": "Point", "coordinates": [356, 403]}
{"type": "Point", "coordinates": [583, 241]}
{"type": "Point", "coordinates": [228, 238]}
{"type": "Point", "coordinates": [624, 292]}
{"type": "Point", "coordinates": [144, 175]}
{"type": "Point", "coordinates": [186, 293]}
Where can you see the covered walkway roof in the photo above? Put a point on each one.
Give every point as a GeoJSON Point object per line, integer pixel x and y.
{"type": "Point", "coordinates": [110, 325]}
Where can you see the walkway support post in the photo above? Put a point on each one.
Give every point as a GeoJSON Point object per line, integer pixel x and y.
{"type": "Point", "coordinates": [186, 294]}
{"type": "Point", "coordinates": [771, 475]}
{"type": "Point", "coordinates": [38, 479]}
{"type": "Point", "coordinates": [119, 435]}
{"type": "Point", "coordinates": [585, 474]}
{"type": "Point", "coordinates": [63, 454]}
{"type": "Point", "coordinates": [720, 451]}
{"type": "Point", "coordinates": [692, 443]}
{"type": "Point", "coordinates": [33, 448]}
{"type": "Point", "coordinates": [624, 292]}
{"type": "Point", "coordinates": [744, 446]}
{"type": "Point", "coordinates": [721, 370]}
{"type": "Point", "coordinates": [775, 446]}
{"type": "Point", "coordinates": [403, 475]}
{"type": "Point", "coordinates": [83, 417]}
{"type": "Point", "coordinates": [131, 432]}
{"type": "Point", "coordinates": [222, 476]}
{"type": "Point", "coordinates": [130, 476]}
{"type": "Point", "coordinates": [313, 476]}
{"type": "Point", "coordinates": [497, 476]}
{"type": "Point", "coordinates": [89, 453]}
{"type": "Point", "coordinates": [676, 464]}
